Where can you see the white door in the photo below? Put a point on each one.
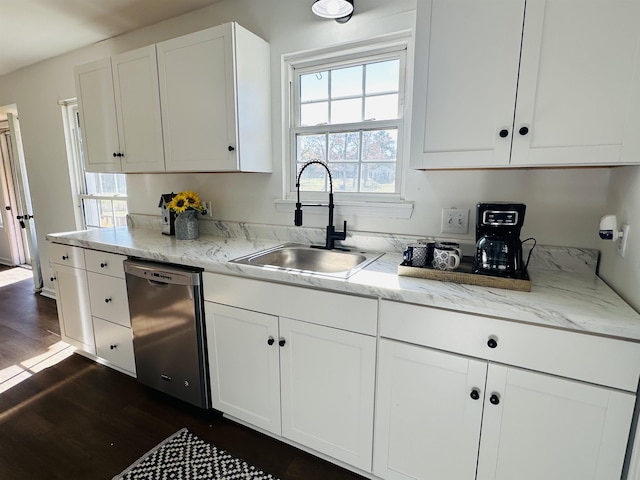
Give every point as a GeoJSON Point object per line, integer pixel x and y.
{"type": "Point", "coordinates": [579, 86]}
{"type": "Point", "coordinates": [327, 378]}
{"type": "Point", "coordinates": [466, 72]}
{"type": "Point", "coordinates": [23, 210]}
{"type": "Point", "coordinates": [12, 248]}
{"type": "Point", "coordinates": [244, 364]}
{"type": "Point", "coordinates": [137, 97]}
{"type": "Point", "coordinates": [98, 127]}
{"type": "Point", "coordinates": [538, 426]}
{"type": "Point", "coordinates": [197, 98]}
{"type": "Point", "coordinates": [428, 413]}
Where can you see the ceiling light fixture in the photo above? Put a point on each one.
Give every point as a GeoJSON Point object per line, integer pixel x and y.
{"type": "Point", "coordinates": [340, 10]}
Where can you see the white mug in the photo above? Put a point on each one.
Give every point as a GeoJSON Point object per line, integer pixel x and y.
{"type": "Point", "coordinates": [445, 258]}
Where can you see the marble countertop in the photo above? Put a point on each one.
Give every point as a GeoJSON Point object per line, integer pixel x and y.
{"type": "Point", "coordinates": [574, 299]}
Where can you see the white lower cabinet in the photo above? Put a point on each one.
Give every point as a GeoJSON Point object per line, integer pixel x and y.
{"type": "Point", "coordinates": [310, 383]}
{"type": "Point", "coordinates": [436, 419]}
{"type": "Point", "coordinates": [72, 296]}
{"type": "Point", "coordinates": [451, 416]}
{"type": "Point", "coordinates": [244, 364]}
{"type": "Point", "coordinates": [114, 344]}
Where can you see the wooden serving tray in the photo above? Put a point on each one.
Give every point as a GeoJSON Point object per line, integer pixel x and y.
{"type": "Point", "coordinates": [464, 274]}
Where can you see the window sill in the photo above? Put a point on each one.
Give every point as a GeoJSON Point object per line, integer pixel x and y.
{"type": "Point", "coordinates": [402, 210]}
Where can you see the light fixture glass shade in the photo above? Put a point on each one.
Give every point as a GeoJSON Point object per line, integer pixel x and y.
{"type": "Point", "coordinates": [332, 8]}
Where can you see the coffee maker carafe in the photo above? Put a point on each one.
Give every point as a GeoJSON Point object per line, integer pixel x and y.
{"type": "Point", "coordinates": [498, 245]}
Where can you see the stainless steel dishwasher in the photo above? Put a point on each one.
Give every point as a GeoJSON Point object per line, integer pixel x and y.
{"type": "Point", "coordinates": [166, 307]}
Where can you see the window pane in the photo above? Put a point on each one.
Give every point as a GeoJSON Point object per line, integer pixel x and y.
{"type": "Point", "coordinates": [346, 82]}
{"type": "Point", "coordinates": [344, 146]}
{"type": "Point", "coordinates": [311, 147]}
{"type": "Point", "coordinates": [379, 145]}
{"type": "Point", "coordinates": [120, 210]}
{"type": "Point", "coordinates": [107, 183]}
{"type": "Point", "coordinates": [378, 177]}
{"type": "Point", "coordinates": [346, 111]}
{"type": "Point", "coordinates": [345, 177]}
{"type": "Point", "coordinates": [91, 213]}
{"type": "Point", "coordinates": [106, 213]}
{"type": "Point", "coordinates": [314, 178]}
{"type": "Point", "coordinates": [314, 114]}
{"type": "Point", "coordinates": [383, 107]}
{"type": "Point", "coordinates": [314, 86]}
{"type": "Point", "coordinates": [383, 77]}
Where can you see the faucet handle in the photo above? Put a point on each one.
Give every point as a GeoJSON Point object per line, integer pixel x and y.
{"type": "Point", "coordinates": [298, 215]}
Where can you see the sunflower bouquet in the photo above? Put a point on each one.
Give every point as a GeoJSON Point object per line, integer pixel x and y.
{"type": "Point", "coordinates": [184, 201]}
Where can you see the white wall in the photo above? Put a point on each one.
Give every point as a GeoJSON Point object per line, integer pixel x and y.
{"type": "Point", "coordinates": [564, 205]}
{"type": "Point", "coordinates": [623, 274]}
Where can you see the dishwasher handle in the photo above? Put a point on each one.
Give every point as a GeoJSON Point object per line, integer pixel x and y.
{"type": "Point", "coordinates": [160, 273]}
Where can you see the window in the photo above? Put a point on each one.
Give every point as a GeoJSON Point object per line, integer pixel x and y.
{"type": "Point", "coordinates": [347, 109]}
{"type": "Point", "coordinates": [101, 197]}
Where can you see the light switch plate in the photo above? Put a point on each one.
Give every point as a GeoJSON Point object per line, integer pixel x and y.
{"type": "Point", "coordinates": [455, 220]}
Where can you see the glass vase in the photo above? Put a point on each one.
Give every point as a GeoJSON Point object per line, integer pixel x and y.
{"type": "Point", "coordinates": [187, 225]}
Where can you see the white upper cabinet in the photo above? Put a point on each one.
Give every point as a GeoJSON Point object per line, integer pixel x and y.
{"type": "Point", "coordinates": [135, 82]}
{"type": "Point", "coordinates": [94, 88]}
{"type": "Point", "coordinates": [215, 96]}
{"type": "Point", "coordinates": [120, 113]}
{"type": "Point", "coordinates": [196, 103]}
{"type": "Point", "coordinates": [502, 83]}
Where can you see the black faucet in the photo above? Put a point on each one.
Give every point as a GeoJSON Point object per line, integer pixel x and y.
{"type": "Point", "coordinates": [332, 235]}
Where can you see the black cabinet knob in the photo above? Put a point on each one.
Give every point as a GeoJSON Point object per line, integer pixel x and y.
{"type": "Point", "coordinates": [65, 257]}
{"type": "Point", "coordinates": [115, 154]}
{"type": "Point", "coordinates": [103, 265]}
{"type": "Point", "coordinates": [504, 133]}
{"type": "Point", "coordinates": [475, 394]}
{"type": "Point", "coordinates": [107, 300]}
{"type": "Point", "coordinates": [282, 342]}
{"type": "Point", "coordinates": [53, 279]}
{"type": "Point", "coordinates": [230, 148]}
{"type": "Point", "coordinates": [494, 399]}
{"type": "Point", "coordinates": [113, 347]}
{"type": "Point", "coordinates": [492, 343]}
{"type": "Point", "coordinates": [271, 341]}
{"type": "Point", "coordinates": [523, 130]}
{"type": "Point", "coordinates": [118, 154]}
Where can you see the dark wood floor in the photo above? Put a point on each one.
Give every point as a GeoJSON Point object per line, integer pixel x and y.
{"type": "Point", "coordinates": [80, 420]}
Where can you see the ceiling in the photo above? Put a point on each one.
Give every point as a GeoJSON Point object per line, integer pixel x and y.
{"type": "Point", "coordinates": [34, 30]}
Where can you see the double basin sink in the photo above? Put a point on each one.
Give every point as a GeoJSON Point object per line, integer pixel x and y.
{"type": "Point", "coordinates": [293, 257]}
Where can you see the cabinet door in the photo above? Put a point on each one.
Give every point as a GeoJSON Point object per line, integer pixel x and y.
{"type": "Point", "coordinates": [427, 418]}
{"type": "Point", "coordinates": [244, 366]}
{"type": "Point", "coordinates": [327, 380]}
{"type": "Point", "coordinates": [94, 88]}
{"type": "Point", "coordinates": [579, 87]}
{"type": "Point", "coordinates": [137, 97]}
{"type": "Point", "coordinates": [540, 426]}
{"type": "Point", "coordinates": [74, 310]}
{"type": "Point", "coordinates": [466, 72]}
{"type": "Point", "coordinates": [197, 98]}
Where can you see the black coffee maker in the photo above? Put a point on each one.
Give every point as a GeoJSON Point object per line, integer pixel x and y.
{"type": "Point", "coordinates": [498, 245]}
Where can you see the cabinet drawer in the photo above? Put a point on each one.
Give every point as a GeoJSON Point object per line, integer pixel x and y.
{"type": "Point", "coordinates": [104, 262]}
{"type": "Point", "coordinates": [600, 360]}
{"type": "Point", "coordinates": [347, 312]}
{"type": "Point", "coordinates": [114, 343]}
{"type": "Point", "coordinates": [109, 298]}
{"type": "Point", "coordinates": [66, 255]}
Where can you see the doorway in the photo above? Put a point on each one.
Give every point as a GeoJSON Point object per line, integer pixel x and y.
{"type": "Point", "coordinates": [18, 240]}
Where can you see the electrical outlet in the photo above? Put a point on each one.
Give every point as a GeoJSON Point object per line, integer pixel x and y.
{"type": "Point", "coordinates": [455, 220]}
{"type": "Point", "coordinates": [621, 243]}
{"type": "Point", "coordinates": [207, 206]}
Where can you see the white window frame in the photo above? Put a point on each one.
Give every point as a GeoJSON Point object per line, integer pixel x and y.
{"type": "Point", "coordinates": [360, 52]}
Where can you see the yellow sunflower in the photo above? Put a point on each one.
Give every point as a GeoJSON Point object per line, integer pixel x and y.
{"type": "Point", "coordinates": [179, 203]}
{"type": "Point", "coordinates": [183, 201]}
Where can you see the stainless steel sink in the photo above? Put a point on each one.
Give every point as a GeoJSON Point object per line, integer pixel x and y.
{"type": "Point", "coordinates": [306, 259]}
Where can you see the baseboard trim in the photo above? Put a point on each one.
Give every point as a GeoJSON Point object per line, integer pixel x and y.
{"type": "Point", "coordinates": [48, 292]}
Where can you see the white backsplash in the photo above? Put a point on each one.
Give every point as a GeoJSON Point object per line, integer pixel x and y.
{"type": "Point", "coordinates": [569, 259]}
